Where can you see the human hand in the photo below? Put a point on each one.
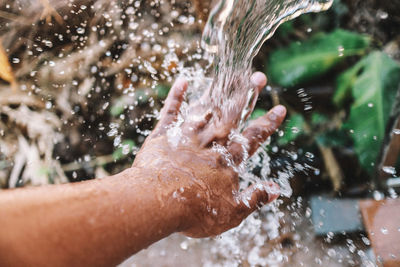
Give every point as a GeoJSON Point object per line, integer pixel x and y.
{"type": "Point", "coordinates": [199, 178]}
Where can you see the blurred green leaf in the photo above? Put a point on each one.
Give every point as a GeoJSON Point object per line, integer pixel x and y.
{"type": "Point", "coordinates": [301, 62]}
{"type": "Point", "coordinates": [162, 91]}
{"type": "Point", "coordinates": [258, 112]}
{"type": "Point", "coordinates": [294, 127]}
{"type": "Point", "coordinates": [117, 108]}
{"type": "Point", "coordinates": [285, 29]}
{"type": "Point", "coordinates": [374, 88]}
{"type": "Point", "coordinates": [345, 82]}
{"type": "Point", "coordinates": [318, 119]}
{"type": "Point", "coordinates": [142, 96]}
{"type": "Point", "coordinates": [336, 138]}
{"type": "Point", "coordinates": [124, 149]}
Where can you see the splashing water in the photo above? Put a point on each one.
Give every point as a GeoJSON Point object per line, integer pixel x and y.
{"type": "Point", "coordinates": [233, 35]}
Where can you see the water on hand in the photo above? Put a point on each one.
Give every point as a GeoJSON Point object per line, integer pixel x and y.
{"type": "Point", "coordinates": [233, 35]}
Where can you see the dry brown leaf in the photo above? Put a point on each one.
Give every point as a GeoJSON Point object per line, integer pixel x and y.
{"type": "Point", "coordinates": [6, 72]}
{"type": "Point", "coordinates": [18, 97]}
{"type": "Point", "coordinates": [49, 12]}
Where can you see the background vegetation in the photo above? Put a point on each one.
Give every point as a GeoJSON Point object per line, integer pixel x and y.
{"type": "Point", "coordinates": [82, 83]}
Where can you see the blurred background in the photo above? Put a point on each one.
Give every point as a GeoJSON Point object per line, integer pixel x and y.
{"type": "Point", "coordinates": [81, 84]}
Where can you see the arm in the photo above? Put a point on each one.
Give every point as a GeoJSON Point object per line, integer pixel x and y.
{"type": "Point", "coordinates": [98, 222]}
{"type": "Point", "coordinates": [187, 188]}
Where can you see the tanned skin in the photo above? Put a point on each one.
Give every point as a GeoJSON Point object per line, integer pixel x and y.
{"type": "Point", "coordinates": [187, 188]}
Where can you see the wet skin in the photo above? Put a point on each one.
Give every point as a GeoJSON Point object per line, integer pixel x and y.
{"type": "Point", "coordinates": [170, 188]}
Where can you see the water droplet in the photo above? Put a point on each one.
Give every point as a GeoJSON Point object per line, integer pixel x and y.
{"type": "Point", "coordinates": [48, 43]}
{"type": "Point", "coordinates": [130, 11]}
{"type": "Point", "coordinates": [389, 170]}
{"type": "Point", "coordinates": [384, 231]}
{"type": "Point", "coordinates": [382, 14]}
{"type": "Point", "coordinates": [126, 149]}
{"type": "Point", "coordinates": [378, 195]}
{"type": "Point", "coordinates": [331, 252]}
{"type": "Point", "coordinates": [370, 105]}
{"type": "Point", "coordinates": [105, 105]}
{"type": "Point", "coordinates": [80, 30]}
{"type": "Point", "coordinates": [341, 51]}
{"type": "Point", "coordinates": [366, 241]}
{"type": "Point", "coordinates": [308, 213]}
{"type": "Point", "coordinates": [309, 155]}
{"type": "Point", "coordinates": [48, 105]}
{"type": "Point", "coordinates": [117, 141]}
{"type": "Point", "coordinates": [295, 130]}
{"type": "Point", "coordinates": [184, 245]}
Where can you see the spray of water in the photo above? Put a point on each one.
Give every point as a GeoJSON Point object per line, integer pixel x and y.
{"type": "Point", "coordinates": [233, 35]}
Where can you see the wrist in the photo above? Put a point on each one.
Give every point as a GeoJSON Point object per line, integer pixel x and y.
{"type": "Point", "coordinates": [165, 193]}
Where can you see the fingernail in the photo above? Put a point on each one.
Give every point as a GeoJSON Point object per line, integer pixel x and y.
{"type": "Point", "coordinates": [279, 110]}
{"type": "Point", "coordinates": [259, 79]}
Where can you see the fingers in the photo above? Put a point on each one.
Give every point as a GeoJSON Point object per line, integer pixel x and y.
{"type": "Point", "coordinates": [258, 131]}
{"type": "Point", "coordinates": [220, 133]}
{"type": "Point", "coordinates": [258, 81]}
{"type": "Point", "coordinates": [172, 104]}
{"type": "Point", "coordinates": [258, 195]}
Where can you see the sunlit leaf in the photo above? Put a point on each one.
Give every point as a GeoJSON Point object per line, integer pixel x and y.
{"type": "Point", "coordinates": [302, 62]}
{"type": "Point", "coordinates": [345, 82]}
{"type": "Point", "coordinates": [373, 84]}
{"type": "Point", "coordinates": [5, 68]}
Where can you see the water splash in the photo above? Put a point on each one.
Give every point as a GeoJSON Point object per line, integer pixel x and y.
{"type": "Point", "coordinates": [233, 35]}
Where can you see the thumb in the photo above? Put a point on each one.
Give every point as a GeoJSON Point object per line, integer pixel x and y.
{"type": "Point", "coordinates": [258, 195]}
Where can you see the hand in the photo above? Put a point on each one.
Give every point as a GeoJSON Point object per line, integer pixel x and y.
{"type": "Point", "coordinates": [195, 175]}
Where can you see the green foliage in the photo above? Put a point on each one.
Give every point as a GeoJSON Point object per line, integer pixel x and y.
{"type": "Point", "coordinates": [301, 62]}
{"type": "Point", "coordinates": [294, 127]}
{"type": "Point", "coordinates": [258, 112]}
{"type": "Point", "coordinates": [117, 108]}
{"type": "Point", "coordinates": [124, 149]}
{"type": "Point", "coordinates": [162, 91]}
{"type": "Point", "coordinates": [373, 83]}
{"type": "Point", "coordinates": [285, 29]}
{"type": "Point", "coordinates": [332, 138]}
{"type": "Point", "coordinates": [318, 119]}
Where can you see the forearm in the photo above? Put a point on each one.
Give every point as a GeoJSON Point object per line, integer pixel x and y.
{"type": "Point", "coordinates": [99, 222]}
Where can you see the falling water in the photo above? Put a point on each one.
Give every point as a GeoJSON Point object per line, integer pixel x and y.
{"type": "Point", "coordinates": [233, 35]}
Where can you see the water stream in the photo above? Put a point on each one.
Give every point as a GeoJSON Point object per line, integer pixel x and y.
{"type": "Point", "coordinates": [232, 37]}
